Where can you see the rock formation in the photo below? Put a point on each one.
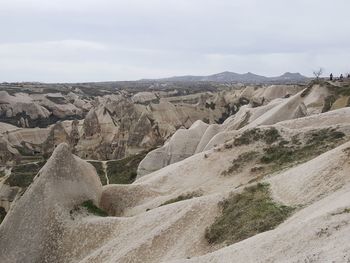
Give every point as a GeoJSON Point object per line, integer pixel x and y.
{"type": "Point", "coordinates": [43, 213]}
{"type": "Point", "coordinates": [294, 144]}
{"type": "Point", "coordinates": [277, 107]}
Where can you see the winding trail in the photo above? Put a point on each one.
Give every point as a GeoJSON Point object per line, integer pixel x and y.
{"type": "Point", "coordinates": [104, 167]}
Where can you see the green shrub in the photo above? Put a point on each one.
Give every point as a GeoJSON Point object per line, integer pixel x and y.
{"type": "Point", "coordinates": [93, 209]}
{"type": "Point", "coordinates": [182, 198]}
{"type": "Point", "coordinates": [246, 214]}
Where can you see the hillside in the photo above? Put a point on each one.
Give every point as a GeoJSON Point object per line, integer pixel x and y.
{"type": "Point", "coordinates": [271, 183]}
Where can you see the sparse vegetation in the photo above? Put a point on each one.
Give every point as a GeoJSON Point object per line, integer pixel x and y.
{"type": "Point", "coordinates": [246, 214]}
{"type": "Point", "coordinates": [23, 175]}
{"type": "Point", "coordinates": [296, 140]}
{"type": "Point", "coordinates": [278, 154]}
{"type": "Point", "coordinates": [124, 171]}
{"type": "Point", "coordinates": [241, 160]}
{"type": "Point", "coordinates": [93, 209]}
{"type": "Point", "coordinates": [324, 135]}
{"type": "Point", "coordinates": [328, 102]}
{"type": "Point", "coordinates": [100, 172]}
{"type": "Point", "coordinates": [344, 211]}
{"type": "Point", "coordinates": [183, 197]}
{"type": "Point", "coordinates": [339, 91]}
{"type": "Point", "coordinates": [2, 214]}
{"type": "Point", "coordinates": [245, 120]}
{"type": "Point", "coordinates": [317, 142]}
{"type": "Point", "coordinates": [336, 92]}
{"type": "Point", "coordinates": [269, 136]}
{"type": "Point", "coordinates": [281, 153]}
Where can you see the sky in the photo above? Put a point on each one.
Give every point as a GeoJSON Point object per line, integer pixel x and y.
{"type": "Point", "coordinates": [106, 40]}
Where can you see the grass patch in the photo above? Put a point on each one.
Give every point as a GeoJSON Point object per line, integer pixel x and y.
{"type": "Point", "coordinates": [241, 160]}
{"type": "Point", "coordinates": [93, 209]}
{"type": "Point", "coordinates": [324, 135]}
{"type": "Point", "coordinates": [182, 198]}
{"type": "Point", "coordinates": [124, 171]}
{"type": "Point", "coordinates": [23, 175]}
{"type": "Point", "coordinates": [269, 136]}
{"type": "Point", "coordinates": [317, 142]}
{"type": "Point", "coordinates": [100, 172]}
{"type": "Point", "coordinates": [246, 214]}
{"type": "Point", "coordinates": [342, 91]}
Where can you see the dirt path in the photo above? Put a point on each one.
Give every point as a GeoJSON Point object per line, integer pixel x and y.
{"type": "Point", "coordinates": [104, 167]}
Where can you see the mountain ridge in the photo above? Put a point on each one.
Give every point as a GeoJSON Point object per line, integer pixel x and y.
{"type": "Point", "coordinates": [233, 77]}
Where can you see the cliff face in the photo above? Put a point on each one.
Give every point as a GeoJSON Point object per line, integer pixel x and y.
{"type": "Point", "coordinates": [38, 110]}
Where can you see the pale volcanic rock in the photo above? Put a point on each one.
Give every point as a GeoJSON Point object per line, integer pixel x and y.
{"type": "Point", "coordinates": [276, 110]}
{"type": "Point", "coordinates": [64, 182]}
{"type": "Point", "coordinates": [143, 97]}
{"type": "Point", "coordinates": [144, 230]}
{"type": "Point", "coordinates": [13, 105]}
{"type": "Point", "coordinates": [181, 145]}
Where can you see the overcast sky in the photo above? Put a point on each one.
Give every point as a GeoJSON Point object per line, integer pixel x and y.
{"type": "Point", "coordinates": [99, 40]}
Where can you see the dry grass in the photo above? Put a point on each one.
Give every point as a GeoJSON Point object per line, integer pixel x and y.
{"type": "Point", "coordinates": [246, 214]}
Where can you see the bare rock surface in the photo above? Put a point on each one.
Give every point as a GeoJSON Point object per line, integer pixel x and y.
{"type": "Point", "coordinates": [42, 213]}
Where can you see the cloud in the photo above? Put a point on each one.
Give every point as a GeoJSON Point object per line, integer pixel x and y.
{"type": "Point", "coordinates": [158, 37]}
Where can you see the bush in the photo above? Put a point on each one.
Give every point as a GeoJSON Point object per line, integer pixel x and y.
{"type": "Point", "coordinates": [246, 214]}
{"type": "Point", "coordinates": [92, 209]}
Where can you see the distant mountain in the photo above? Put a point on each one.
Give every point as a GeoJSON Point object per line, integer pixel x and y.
{"type": "Point", "coordinates": [247, 78]}
{"type": "Point", "coordinates": [290, 77]}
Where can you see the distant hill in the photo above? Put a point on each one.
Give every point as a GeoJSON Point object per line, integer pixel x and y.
{"type": "Point", "coordinates": [246, 78]}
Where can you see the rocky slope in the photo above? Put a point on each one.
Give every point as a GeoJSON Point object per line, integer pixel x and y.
{"type": "Point", "coordinates": [115, 125]}
{"type": "Point", "coordinates": [278, 104]}
{"type": "Point", "coordinates": [280, 177]}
